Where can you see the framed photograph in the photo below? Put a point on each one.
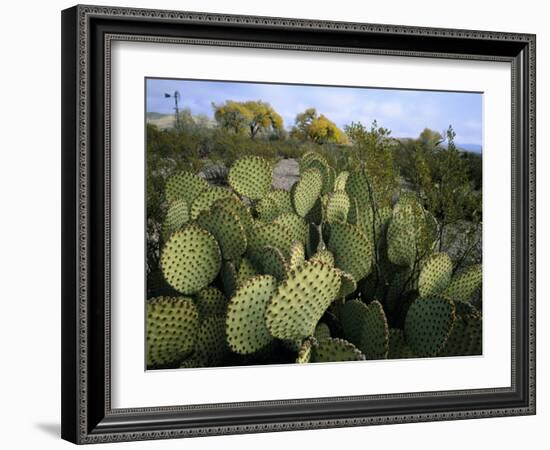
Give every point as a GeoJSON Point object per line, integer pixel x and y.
{"type": "Point", "coordinates": [279, 224]}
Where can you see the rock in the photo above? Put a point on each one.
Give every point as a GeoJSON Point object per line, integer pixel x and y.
{"type": "Point", "coordinates": [285, 173]}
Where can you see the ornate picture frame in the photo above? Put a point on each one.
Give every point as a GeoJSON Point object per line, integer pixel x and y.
{"type": "Point", "coordinates": [88, 33]}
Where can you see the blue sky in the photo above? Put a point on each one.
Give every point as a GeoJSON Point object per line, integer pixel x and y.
{"type": "Point", "coordinates": [405, 112]}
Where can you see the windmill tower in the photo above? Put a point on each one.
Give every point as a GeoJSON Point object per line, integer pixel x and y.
{"type": "Point", "coordinates": [176, 96]}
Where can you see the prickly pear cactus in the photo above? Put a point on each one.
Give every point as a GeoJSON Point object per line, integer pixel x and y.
{"type": "Point", "coordinates": [185, 186]}
{"type": "Point", "coordinates": [428, 325]}
{"type": "Point", "coordinates": [251, 177]}
{"type": "Point", "coordinates": [172, 324]}
{"type": "Point", "coordinates": [226, 228]}
{"type": "Point", "coordinates": [245, 324]}
{"type": "Point", "coordinates": [191, 259]}
{"type": "Point", "coordinates": [176, 217]}
{"type": "Point", "coordinates": [207, 198]}
{"type": "Point", "coordinates": [300, 301]}
{"type": "Point", "coordinates": [464, 285]}
{"type": "Point", "coordinates": [335, 349]}
{"type": "Point", "coordinates": [435, 276]}
{"type": "Point", "coordinates": [338, 268]}
{"type": "Point", "coordinates": [307, 191]}
{"type": "Point", "coordinates": [353, 251]}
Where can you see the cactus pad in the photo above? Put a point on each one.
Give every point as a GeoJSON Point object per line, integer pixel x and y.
{"type": "Point", "coordinates": [211, 347]}
{"type": "Point", "coordinates": [234, 205]}
{"type": "Point", "coordinates": [304, 352]}
{"type": "Point", "coordinates": [341, 180]}
{"type": "Point", "coordinates": [300, 301]}
{"type": "Point", "coordinates": [267, 209]}
{"type": "Point", "coordinates": [367, 328]}
{"type": "Point", "coordinates": [464, 285]}
{"type": "Point", "coordinates": [282, 199]}
{"type": "Point", "coordinates": [335, 350]}
{"type": "Point", "coordinates": [322, 331]}
{"type": "Point", "coordinates": [270, 234]}
{"type": "Point", "coordinates": [172, 324]}
{"type": "Point", "coordinates": [337, 207]}
{"type": "Point", "coordinates": [297, 255]}
{"type": "Point", "coordinates": [295, 225]}
{"type": "Point", "coordinates": [245, 323]}
{"type": "Point", "coordinates": [358, 187]}
{"type": "Point", "coordinates": [190, 260]}
{"type": "Point", "coordinates": [273, 263]}
{"type": "Point", "coordinates": [348, 285]}
{"type": "Point", "coordinates": [324, 256]}
{"type": "Point", "coordinates": [306, 192]}
{"type": "Point", "coordinates": [353, 251]}
{"type": "Point", "coordinates": [251, 177]}
{"type": "Point", "coordinates": [207, 198]}
{"type": "Point", "coordinates": [428, 324]}
{"type": "Point", "coordinates": [210, 302]}
{"type": "Point", "coordinates": [176, 217]}
{"type": "Point", "coordinates": [435, 275]}
{"type": "Point", "coordinates": [186, 186]}
{"type": "Point", "coordinates": [398, 348]}
{"type": "Point", "coordinates": [226, 227]}
{"type": "Point", "coordinates": [401, 236]}
{"type": "Point", "coordinates": [246, 271]}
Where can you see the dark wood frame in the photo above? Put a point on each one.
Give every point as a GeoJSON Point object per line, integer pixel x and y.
{"type": "Point", "coordinates": [87, 32]}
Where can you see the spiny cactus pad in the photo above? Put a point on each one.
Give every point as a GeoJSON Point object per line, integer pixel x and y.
{"type": "Point", "coordinates": [358, 187]}
{"type": "Point", "coordinates": [335, 350]}
{"type": "Point", "coordinates": [464, 285]}
{"type": "Point", "coordinates": [435, 275]}
{"type": "Point", "coordinates": [226, 227]}
{"type": "Point", "coordinates": [398, 348]}
{"type": "Point", "coordinates": [270, 234]}
{"type": "Point", "coordinates": [251, 177]}
{"type": "Point", "coordinates": [282, 199]}
{"type": "Point", "coordinates": [191, 259]}
{"type": "Point", "coordinates": [207, 198]}
{"type": "Point", "coordinates": [306, 192]}
{"type": "Point", "coordinates": [353, 251]}
{"type": "Point", "coordinates": [300, 301]}
{"type": "Point", "coordinates": [295, 225]}
{"type": "Point", "coordinates": [324, 256]}
{"type": "Point", "coordinates": [274, 263]}
{"type": "Point", "coordinates": [401, 236]}
{"type": "Point", "coordinates": [322, 331]}
{"type": "Point", "coordinates": [176, 217]}
{"type": "Point", "coordinates": [348, 285]}
{"type": "Point", "coordinates": [172, 324]}
{"type": "Point", "coordinates": [341, 180]}
{"type": "Point", "coordinates": [428, 324]}
{"type": "Point", "coordinates": [337, 206]}
{"type": "Point", "coordinates": [366, 327]}
{"type": "Point", "coordinates": [211, 346]}
{"type": "Point", "coordinates": [186, 186]}
{"type": "Point", "coordinates": [267, 209]}
{"type": "Point", "coordinates": [210, 302]}
{"type": "Point", "coordinates": [297, 255]}
{"type": "Point", "coordinates": [246, 271]}
{"type": "Point", "coordinates": [234, 205]}
{"type": "Point", "coordinates": [245, 322]}
{"type": "Point", "coordinates": [304, 352]}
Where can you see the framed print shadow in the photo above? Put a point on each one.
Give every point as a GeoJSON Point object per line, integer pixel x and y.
{"type": "Point", "coordinates": [256, 207]}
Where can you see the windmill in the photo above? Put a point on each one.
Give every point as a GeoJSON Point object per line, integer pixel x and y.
{"type": "Point", "coordinates": [176, 96]}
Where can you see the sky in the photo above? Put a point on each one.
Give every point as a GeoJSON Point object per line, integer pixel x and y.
{"type": "Point", "coordinates": [405, 112]}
